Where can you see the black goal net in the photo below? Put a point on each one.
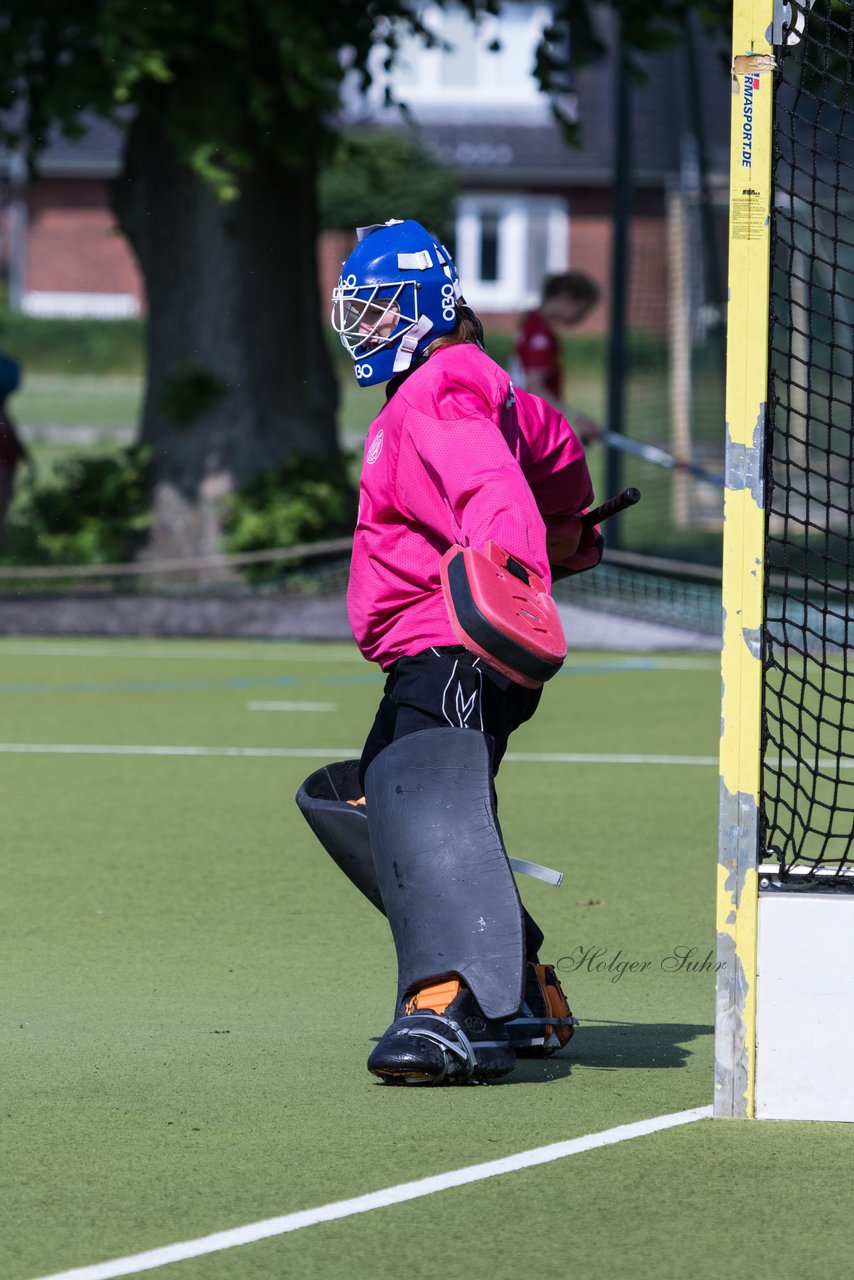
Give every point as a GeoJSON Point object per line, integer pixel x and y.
{"type": "Point", "coordinates": [807, 792]}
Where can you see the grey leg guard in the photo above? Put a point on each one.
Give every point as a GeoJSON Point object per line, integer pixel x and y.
{"type": "Point", "coordinates": [342, 829]}
{"type": "Point", "coordinates": [439, 858]}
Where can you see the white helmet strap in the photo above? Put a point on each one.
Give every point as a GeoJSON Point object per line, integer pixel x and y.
{"type": "Point", "coordinates": [408, 343]}
{"type": "Point", "coordinates": [362, 233]}
{"type": "Point", "coordinates": [420, 261]}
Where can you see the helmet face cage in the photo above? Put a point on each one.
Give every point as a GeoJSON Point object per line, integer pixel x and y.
{"type": "Point", "coordinates": [397, 294]}
{"type": "Point", "coordinates": [370, 316]}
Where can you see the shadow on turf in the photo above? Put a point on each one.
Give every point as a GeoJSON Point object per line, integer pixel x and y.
{"type": "Point", "coordinates": [613, 1046]}
{"type": "Point", "coordinates": [616, 1045]}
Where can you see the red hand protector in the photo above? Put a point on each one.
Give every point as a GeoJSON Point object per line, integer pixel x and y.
{"type": "Point", "coordinates": [503, 613]}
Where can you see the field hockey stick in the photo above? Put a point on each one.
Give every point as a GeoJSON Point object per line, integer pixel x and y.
{"type": "Point", "coordinates": [610, 507]}
{"type": "Point", "coordinates": [660, 457]}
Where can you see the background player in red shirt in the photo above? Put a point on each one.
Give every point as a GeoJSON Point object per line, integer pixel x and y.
{"type": "Point", "coordinates": [537, 364]}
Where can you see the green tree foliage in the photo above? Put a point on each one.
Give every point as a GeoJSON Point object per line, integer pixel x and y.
{"type": "Point", "coordinates": [90, 512]}
{"type": "Point", "coordinates": [189, 391]}
{"type": "Point", "coordinates": [373, 170]}
{"type": "Point", "coordinates": [302, 501]}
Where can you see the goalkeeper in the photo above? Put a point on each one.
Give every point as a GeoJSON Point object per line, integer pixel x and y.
{"type": "Point", "coordinates": [455, 457]}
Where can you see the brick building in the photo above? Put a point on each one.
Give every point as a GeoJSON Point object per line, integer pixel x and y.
{"type": "Point", "coordinates": [60, 250]}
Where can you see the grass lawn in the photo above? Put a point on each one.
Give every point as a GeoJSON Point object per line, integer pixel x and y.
{"type": "Point", "coordinates": [52, 399]}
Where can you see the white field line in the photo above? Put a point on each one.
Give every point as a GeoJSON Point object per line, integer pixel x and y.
{"type": "Point", "coordinates": [350, 753]}
{"type": "Point", "coordinates": [581, 757]}
{"type": "Point", "coordinates": [268, 1227]}
{"type": "Point", "coordinates": [320, 753]}
{"type": "Point", "coordinates": [292, 706]}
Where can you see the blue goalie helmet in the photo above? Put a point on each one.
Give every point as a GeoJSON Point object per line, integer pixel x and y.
{"type": "Point", "coordinates": [397, 293]}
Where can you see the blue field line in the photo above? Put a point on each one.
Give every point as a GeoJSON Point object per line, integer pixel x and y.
{"type": "Point", "coordinates": [153, 686]}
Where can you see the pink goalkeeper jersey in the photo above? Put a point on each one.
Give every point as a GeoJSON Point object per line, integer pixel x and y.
{"type": "Point", "coordinates": [455, 456]}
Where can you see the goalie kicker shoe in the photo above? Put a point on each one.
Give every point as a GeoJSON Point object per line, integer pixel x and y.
{"type": "Point", "coordinates": [545, 1023]}
{"type": "Point", "coordinates": [440, 1036]}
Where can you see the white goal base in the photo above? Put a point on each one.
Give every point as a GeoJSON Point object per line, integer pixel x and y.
{"type": "Point", "coordinates": [805, 1005]}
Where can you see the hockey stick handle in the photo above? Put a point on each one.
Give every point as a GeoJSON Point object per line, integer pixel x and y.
{"type": "Point", "coordinates": [611, 507]}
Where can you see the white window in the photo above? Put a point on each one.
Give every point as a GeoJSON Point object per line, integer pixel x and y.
{"type": "Point", "coordinates": [506, 245]}
{"type": "Point", "coordinates": [488, 63]}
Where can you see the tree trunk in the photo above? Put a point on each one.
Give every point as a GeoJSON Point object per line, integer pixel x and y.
{"type": "Point", "coordinates": [239, 374]}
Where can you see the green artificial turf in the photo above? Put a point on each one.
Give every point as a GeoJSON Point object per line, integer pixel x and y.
{"type": "Point", "coordinates": [191, 988]}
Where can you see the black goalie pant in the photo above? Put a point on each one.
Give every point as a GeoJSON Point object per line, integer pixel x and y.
{"type": "Point", "coordinates": [447, 687]}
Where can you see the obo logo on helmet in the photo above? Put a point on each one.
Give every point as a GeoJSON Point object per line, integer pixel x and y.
{"type": "Point", "coordinates": [397, 292]}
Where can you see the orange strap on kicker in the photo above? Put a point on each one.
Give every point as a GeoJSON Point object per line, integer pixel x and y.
{"type": "Point", "coordinates": [436, 997]}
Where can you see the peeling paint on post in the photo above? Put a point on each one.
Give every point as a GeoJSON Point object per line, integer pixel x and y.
{"type": "Point", "coordinates": [743, 559]}
{"type": "Point", "coordinates": [731, 1077]}
{"type": "Point", "coordinates": [744, 468]}
{"type": "Point", "coordinates": [735, 1009]}
{"type": "Point", "coordinates": [753, 637]}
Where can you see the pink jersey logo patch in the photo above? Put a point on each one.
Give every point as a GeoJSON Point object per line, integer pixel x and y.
{"type": "Point", "coordinates": [376, 448]}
